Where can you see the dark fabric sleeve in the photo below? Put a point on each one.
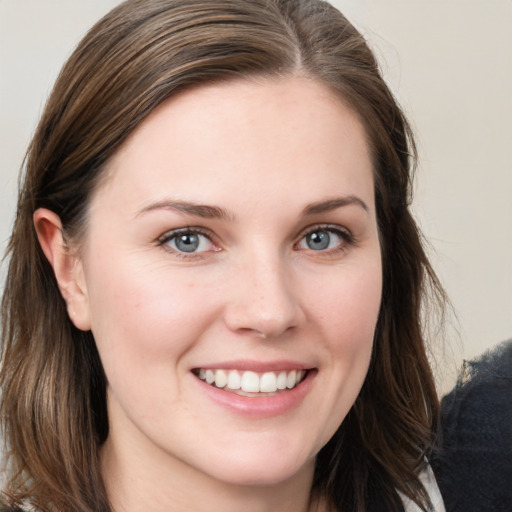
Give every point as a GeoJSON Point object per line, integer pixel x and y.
{"type": "Point", "coordinates": [473, 462]}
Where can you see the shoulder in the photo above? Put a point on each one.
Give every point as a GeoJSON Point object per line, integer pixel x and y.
{"type": "Point", "coordinates": [483, 386]}
{"type": "Point", "coordinates": [472, 462]}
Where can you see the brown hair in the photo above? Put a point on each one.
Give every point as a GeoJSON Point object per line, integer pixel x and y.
{"type": "Point", "coordinates": [54, 390]}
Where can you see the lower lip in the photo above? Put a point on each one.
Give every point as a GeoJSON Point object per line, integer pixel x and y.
{"type": "Point", "coordinates": [260, 407]}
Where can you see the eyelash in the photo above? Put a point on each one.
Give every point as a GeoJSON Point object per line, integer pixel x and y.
{"type": "Point", "coordinates": [164, 240]}
{"type": "Point", "coordinates": [346, 237]}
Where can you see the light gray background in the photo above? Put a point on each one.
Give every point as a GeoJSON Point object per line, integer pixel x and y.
{"type": "Point", "coordinates": [449, 63]}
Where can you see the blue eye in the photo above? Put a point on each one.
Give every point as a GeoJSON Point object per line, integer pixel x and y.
{"type": "Point", "coordinates": [187, 241]}
{"type": "Point", "coordinates": [318, 241]}
{"type": "Point", "coordinates": [324, 239]}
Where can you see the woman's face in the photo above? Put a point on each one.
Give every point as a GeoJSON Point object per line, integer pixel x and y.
{"type": "Point", "coordinates": [232, 275]}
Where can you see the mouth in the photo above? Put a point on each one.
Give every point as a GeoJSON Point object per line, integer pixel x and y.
{"type": "Point", "coordinates": [250, 383]}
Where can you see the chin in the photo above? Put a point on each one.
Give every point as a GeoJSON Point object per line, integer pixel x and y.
{"type": "Point", "coordinates": [256, 478]}
{"type": "Point", "coordinates": [263, 472]}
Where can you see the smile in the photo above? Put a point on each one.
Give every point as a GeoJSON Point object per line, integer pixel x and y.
{"type": "Point", "coordinates": [251, 382]}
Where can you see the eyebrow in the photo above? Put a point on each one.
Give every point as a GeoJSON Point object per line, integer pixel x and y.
{"type": "Point", "coordinates": [216, 212]}
{"type": "Point", "coordinates": [333, 204]}
{"type": "Point", "coordinates": [199, 210]}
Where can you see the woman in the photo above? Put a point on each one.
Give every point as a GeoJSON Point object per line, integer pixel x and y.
{"type": "Point", "coordinates": [215, 283]}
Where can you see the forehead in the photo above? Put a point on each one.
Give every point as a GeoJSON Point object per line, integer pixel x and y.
{"type": "Point", "coordinates": [244, 138]}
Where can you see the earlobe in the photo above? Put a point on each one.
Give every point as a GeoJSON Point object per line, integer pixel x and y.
{"type": "Point", "coordinates": [66, 265]}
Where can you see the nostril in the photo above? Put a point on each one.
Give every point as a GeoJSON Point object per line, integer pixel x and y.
{"type": "Point", "coordinates": [263, 305]}
{"type": "Point", "coordinates": [268, 334]}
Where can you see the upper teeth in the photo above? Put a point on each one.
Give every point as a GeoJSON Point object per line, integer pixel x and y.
{"type": "Point", "coordinates": [252, 382]}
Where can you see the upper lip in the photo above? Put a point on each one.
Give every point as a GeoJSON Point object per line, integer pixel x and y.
{"type": "Point", "coordinates": [257, 366]}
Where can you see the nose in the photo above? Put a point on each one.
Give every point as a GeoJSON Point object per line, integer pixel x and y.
{"type": "Point", "coordinates": [265, 300]}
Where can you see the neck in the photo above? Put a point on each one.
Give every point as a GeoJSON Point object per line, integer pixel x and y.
{"type": "Point", "coordinates": [138, 481]}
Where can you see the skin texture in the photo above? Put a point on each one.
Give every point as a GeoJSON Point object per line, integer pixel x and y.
{"type": "Point", "coordinates": [254, 292]}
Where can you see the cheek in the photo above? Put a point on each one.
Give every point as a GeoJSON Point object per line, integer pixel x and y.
{"type": "Point", "coordinates": [349, 312]}
{"type": "Point", "coordinates": [141, 317]}
{"type": "Point", "coordinates": [346, 313]}
{"type": "Point", "coordinates": [349, 307]}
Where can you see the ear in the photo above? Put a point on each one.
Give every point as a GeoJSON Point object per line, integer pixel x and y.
{"type": "Point", "coordinates": [67, 266]}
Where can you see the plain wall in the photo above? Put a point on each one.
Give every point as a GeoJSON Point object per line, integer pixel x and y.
{"type": "Point", "coordinates": [449, 62]}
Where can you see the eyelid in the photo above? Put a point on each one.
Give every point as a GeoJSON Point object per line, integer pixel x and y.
{"type": "Point", "coordinates": [186, 229]}
{"type": "Point", "coordinates": [162, 240]}
{"type": "Point", "coordinates": [344, 233]}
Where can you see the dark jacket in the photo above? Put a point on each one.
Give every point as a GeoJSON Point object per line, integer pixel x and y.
{"type": "Point", "coordinates": [473, 464]}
